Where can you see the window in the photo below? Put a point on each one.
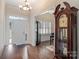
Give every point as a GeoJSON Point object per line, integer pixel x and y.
{"type": "Point", "coordinates": [45, 27]}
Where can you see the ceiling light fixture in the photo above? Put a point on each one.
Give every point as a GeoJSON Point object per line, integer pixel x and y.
{"type": "Point", "coordinates": [25, 5]}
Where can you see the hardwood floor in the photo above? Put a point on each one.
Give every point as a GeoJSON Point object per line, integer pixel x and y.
{"type": "Point", "coordinates": [26, 52]}
{"type": "Point", "coordinates": [46, 43]}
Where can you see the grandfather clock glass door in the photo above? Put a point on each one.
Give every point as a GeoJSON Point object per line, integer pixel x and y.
{"type": "Point", "coordinates": [62, 34]}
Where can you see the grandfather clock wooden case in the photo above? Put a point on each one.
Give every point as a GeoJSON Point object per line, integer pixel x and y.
{"type": "Point", "coordinates": [66, 32]}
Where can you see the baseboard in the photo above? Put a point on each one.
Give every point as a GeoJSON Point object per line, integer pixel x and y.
{"type": "Point", "coordinates": [46, 41]}
{"type": "Point", "coordinates": [22, 45]}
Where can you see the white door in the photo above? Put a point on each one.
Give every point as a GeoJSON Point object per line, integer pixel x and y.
{"type": "Point", "coordinates": [19, 31]}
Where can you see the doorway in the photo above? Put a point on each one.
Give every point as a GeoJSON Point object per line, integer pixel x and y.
{"type": "Point", "coordinates": [19, 32]}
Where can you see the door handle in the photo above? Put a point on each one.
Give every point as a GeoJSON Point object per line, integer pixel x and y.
{"type": "Point", "coordinates": [26, 36]}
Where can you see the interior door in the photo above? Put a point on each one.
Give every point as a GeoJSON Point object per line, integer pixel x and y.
{"type": "Point", "coordinates": [18, 31]}
{"type": "Point", "coordinates": [38, 35]}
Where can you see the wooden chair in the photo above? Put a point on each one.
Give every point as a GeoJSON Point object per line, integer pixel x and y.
{"type": "Point", "coordinates": [51, 38]}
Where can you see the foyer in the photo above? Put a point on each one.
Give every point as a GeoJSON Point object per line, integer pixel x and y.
{"type": "Point", "coordinates": [39, 29]}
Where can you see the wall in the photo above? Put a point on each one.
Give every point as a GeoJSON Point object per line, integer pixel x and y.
{"type": "Point", "coordinates": [2, 24]}
{"type": "Point", "coordinates": [32, 32]}
{"type": "Point", "coordinates": [78, 34]}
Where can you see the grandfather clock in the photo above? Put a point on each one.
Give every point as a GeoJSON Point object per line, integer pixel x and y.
{"type": "Point", "coordinates": [66, 32]}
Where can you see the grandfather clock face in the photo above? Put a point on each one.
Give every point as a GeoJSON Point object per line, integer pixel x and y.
{"type": "Point", "coordinates": [63, 21]}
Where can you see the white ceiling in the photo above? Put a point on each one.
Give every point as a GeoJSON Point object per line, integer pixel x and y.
{"type": "Point", "coordinates": [12, 2]}
{"type": "Point", "coordinates": [39, 6]}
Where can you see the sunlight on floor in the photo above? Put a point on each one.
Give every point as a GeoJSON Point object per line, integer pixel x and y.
{"type": "Point", "coordinates": [25, 53]}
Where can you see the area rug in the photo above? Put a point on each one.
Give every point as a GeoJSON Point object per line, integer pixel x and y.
{"type": "Point", "coordinates": [51, 48]}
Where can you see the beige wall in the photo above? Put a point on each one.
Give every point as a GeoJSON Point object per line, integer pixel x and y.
{"type": "Point", "coordinates": [78, 34]}
{"type": "Point", "coordinates": [2, 24]}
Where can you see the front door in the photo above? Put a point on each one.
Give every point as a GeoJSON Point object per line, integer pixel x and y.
{"type": "Point", "coordinates": [18, 31]}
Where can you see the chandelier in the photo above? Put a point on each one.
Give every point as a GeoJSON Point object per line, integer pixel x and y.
{"type": "Point", "coordinates": [25, 5]}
